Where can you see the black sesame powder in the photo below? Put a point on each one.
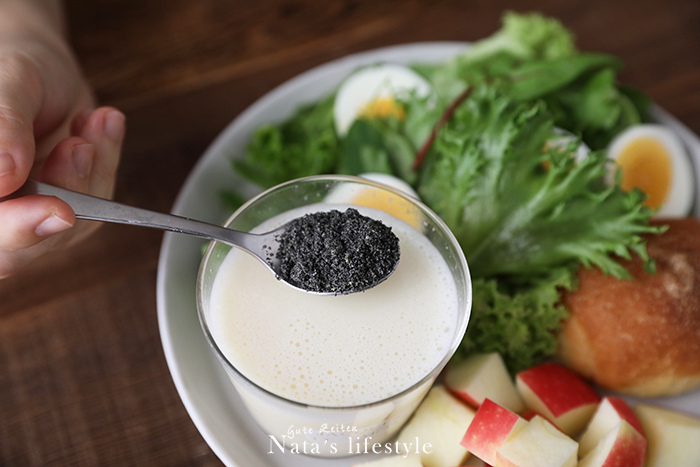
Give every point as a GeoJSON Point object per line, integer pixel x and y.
{"type": "Point", "coordinates": [337, 252]}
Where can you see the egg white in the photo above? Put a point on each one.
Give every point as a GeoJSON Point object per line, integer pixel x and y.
{"type": "Point", "coordinates": [679, 198]}
{"type": "Point", "coordinates": [564, 138]}
{"type": "Point", "coordinates": [368, 84]}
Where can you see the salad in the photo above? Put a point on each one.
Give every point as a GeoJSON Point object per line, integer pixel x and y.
{"type": "Point", "coordinates": [506, 143]}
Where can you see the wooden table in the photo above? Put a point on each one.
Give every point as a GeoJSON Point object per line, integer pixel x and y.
{"type": "Point", "coordinates": [83, 378]}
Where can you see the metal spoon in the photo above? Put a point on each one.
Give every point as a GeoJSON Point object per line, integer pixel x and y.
{"type": "Point", "coordinates": [264, 246]}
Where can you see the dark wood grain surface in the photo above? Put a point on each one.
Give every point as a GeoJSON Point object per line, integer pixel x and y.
{"type": "Point", "coordinates": [83, 378]}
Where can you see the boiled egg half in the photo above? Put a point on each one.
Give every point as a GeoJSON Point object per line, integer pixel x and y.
{"type": "Point", "coordinates": [652, 158]}
{"type": "Point", "coordinates": [376, 92]}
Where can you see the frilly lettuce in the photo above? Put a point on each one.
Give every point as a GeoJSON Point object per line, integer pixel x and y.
{"type": "Point", "coordinates": [526, 37]}
{"type": "Point", "coordinates": [523, 38]}
{"type": "Point", "coordinates": [519, 208]}
{"type": "Point", "coordinates": [300, 146]}
{"type": "Point", "coordinates": [536, 58]}
{"type": "Point", "coordinates": [519, 323]}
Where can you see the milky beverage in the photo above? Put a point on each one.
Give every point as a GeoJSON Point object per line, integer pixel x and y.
{"type": "Point", "coordinates": [335, 351]}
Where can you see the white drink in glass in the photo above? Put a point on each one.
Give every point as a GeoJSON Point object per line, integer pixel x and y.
{"type": "Point", "coordinates": [326, 370]}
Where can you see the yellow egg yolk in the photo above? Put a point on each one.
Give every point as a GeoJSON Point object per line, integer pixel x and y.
{"type": "Point", "coordinates": [383, 107]}
{"type": "Point", "coordinates": [646, 164]}
{"type": "Point", "coordinates": [393, 205]}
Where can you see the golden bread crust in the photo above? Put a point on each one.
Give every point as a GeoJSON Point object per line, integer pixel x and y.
{"type": "Point", "coordinates": [642, 336]}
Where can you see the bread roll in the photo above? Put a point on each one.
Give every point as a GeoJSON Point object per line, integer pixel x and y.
{"type": "Point", "coordinates": [640, 337]}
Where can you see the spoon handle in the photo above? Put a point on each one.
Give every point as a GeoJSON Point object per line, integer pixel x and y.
{"type": "Point", "coordinates": [103, 210]}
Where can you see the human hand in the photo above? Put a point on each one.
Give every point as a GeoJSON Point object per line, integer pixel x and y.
{"type": "Point", "coordinates": [48, 131]}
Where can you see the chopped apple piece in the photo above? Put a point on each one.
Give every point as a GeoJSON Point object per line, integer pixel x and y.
{"type": "Point", "coordinates": [482, 376]}
{"type": "Point", "coordinates": [475, 462]}
{"type": "Point", "coordinates": [439, 424]}
{"type": "Point", "coordinates": [539, 444]}
{"type": "Point", "coordinates": [393, 461]}
{"type": "Point", "coordinates": [492, 426]}
{"type": "Point", "coordinates": [673, 438]}
{"type": "Point", "coordinates": [623, 446]}
{"type": "Point", "coordinates": [559, 395]}
{"type": "Point", "coordinates": [607, 416]}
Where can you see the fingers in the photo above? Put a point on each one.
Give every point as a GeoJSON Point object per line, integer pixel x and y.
{"type": "Point", "coordinates": [30, 225]}
{"type": "Point", "coordinates": [104, 128]}
{"type": "Point", "coordinates": [86, 162]}
{"type": "Point", "coordinates": [31, 220]}
{"type": "Point", "coordinates": [70, 164]}
{"type": "Point", "coordinates": [20, 86]}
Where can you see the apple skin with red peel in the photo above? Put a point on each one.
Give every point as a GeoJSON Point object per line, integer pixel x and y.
{"type": "Point", "coordinates": [610, 412]}
{"type": "Point", "coordinates": [559, 395]}
{"type": "Point", "coordinates": [623, 446]}
{"type": "Point", "coordinates": [483, 376]}
{"type": "Point", "coordinates": [492, 426]}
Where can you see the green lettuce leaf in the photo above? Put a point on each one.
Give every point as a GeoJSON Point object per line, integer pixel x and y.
{"type": "Point", "coordinates": [389, 145]}
{"type": "Point", "coordinates": [534, 58]}
{"type": "Point", "coordinates": [519, 209]}
{"type": "Point", "coordinates": [597, 107]}
{"type": "Point", "coordinates": [522, 38]}
{"type": "Point", "coordinates": [520, 324]}
{"type": "Point", "coordinates": [303, 145]}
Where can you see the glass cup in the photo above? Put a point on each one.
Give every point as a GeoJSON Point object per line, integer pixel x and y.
{"type": "Point", "coordinates": [322, 429]}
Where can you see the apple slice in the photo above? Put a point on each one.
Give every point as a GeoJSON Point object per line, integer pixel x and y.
{"type": "Point", "coordinates": [607, 416]}
{"type": "Point", "coordinates": [438, 425]}
{"type": "Point", "coordinates": [539, 444]}
{"type": "Point", "coordinates": [673, 438]}
{"type": "Point", "coordinates": [623, 446]}
{"type": "Point", "coordinates": [482, 376]}
{"type": "Point", "coordinates": [559, 395]}
{"type": "Point", "coordinates": [492, 426]}
{"type": "Point", "coordinates": [393, 461]}
{"type": "Point", "coordinates": [475, 462]}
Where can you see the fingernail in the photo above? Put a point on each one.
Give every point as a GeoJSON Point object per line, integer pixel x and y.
{"type": "Point", "coordinates": [51, 225]}
{"type": "Point", "coordinates": [83, 155]}
{"type": "Point", "coordinates": [114, 125]}
{"type": "Point", "coordinates": [7, 164]}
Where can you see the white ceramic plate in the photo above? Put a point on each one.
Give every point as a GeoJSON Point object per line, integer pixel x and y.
{"type": "Point", "coordinates": [206, 393]}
